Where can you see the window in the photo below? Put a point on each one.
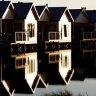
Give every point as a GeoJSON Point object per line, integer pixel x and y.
{"type": "Point", "coordinates": [20, 63]}
{"type": "Point", "coordinates": [31, 29]}
{"type": "Point", "coordinates": [31, 65]}
{"type": "Point", "coordinates": [64, 62]}
{"type": "Point", "coordinates": [54, 58]}
{"type": "Point", "coordinates": [65, 30]}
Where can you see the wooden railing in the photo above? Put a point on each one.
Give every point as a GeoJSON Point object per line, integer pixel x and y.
{"type": "Point", "coordinates": [53, 36]}
{"type": "Point", "coordinates": [89, 35]}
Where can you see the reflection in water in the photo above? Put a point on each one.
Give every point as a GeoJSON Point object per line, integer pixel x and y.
{"type": "Point", "coordinates": [26, 66]}
{"type": "Point", "coordinates": [25, 73]}
{"type": "Point", "coordinates": [60, 71]}
{"type": "Point", "coordinates": [26, 70]}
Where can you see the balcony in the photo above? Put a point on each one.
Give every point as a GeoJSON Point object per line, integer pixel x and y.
{"type": "Point", "coordinates": [89, 36]}
{"type": "Point", "coordinates": [54, 36]}
{"type": "Point", "coordinates": [21, 37]}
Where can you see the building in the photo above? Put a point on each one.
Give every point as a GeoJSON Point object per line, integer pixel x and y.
{"type": "Point", "coordinates": [43, 22]}
{"type": "Point", "coordinates": [25, 68]}
{"type": "Point", "coordinates": [78, 26]}
{"type": "Point", "coordinates": [6, 20]}
{"type": "Point", "coordinates": [25, 24]}
{"type": "Point", "coordinates": [60, 69]}
{"type": "Point", "coordinates": [60, 24]}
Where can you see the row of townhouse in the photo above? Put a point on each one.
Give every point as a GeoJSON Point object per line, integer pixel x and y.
{"type": "Point", "coordinates": [26, 23]}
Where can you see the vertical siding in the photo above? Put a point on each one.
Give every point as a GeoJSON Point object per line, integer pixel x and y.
{"type": "Point", "coordinates": [31, 19]}
{"type": "Point", "coordinates": [95, 27]}
{"type": "Point", "coordinates": [20, 21]}
{"type": "Point", "coordinates": [0, 29]}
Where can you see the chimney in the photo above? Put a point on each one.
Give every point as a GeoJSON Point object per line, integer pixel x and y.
{"type": "Point", "coordinates": [84, 8]}
{"type": "Point", "coordinates": [47, 5]}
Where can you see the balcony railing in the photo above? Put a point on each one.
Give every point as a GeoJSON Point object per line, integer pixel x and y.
{"type": "Point", "coordinates": [89, 35]}
{"type": "Point", "coordinates": [54, 35]}
{"type": "Point", "coordinates": [21, 36]}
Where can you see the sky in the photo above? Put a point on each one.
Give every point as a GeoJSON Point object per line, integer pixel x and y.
{"type": "Point", "coordinates": [89, 4]}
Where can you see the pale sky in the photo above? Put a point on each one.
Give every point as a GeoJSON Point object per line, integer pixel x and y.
{"type": "Point", "coordinates": [89, 4]}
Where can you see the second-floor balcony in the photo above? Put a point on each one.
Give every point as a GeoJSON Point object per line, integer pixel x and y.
{"type": "Point", "coordinates": [89, 35]}
{"type": "Point", "coordinates": [21, 37]}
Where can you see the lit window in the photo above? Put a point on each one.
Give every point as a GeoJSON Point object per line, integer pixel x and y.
{"type": "Point", "coordinates": [31, 28]}
{"type": "Point", "coordinates": [31, 65]}
{"type": "Point", "coordinates": [66, 61]}
{"type": "Point", "coordinates": [20, 63]}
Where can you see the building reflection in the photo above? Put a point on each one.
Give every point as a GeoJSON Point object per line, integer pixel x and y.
{"type": "Point", "coordinates": [89, 57]}
{"type": "Point", "coordinates": [6, 88]}
{"type": "Point", "coordinates": [86, 65]}
{"type": "Point", "coordinates": [26, 71]}
{"type": "Point", "coordinates": [60, 69]}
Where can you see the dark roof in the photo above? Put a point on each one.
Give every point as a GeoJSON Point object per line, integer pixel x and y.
{"type": "Point", "coordinates": [75, 13]}
{"type": "Point", "coordinates": [22, 86]}
{"type": "Point", "coordinates": [3, 7]}
{"type": "Point", "coordinates": [3, 90]}
{"type": "Point", "coordinates": [56, 12]}
{"type": "Point", "coordinates": [39, 9]}
{"type": "Point", "coordinates": [22, 9]}
{"type": "Point", "coordinates": [91, 15]}
{"type": "Point", "coordinates": [55, 78]}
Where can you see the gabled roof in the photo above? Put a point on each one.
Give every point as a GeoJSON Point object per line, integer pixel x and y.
{"type": "Point", "coordinates": [22, 9]}
{"type": "Point", "coordinates": [91, 15]}
{"type": "Point", "coordinates": [55, 78]}
{"type": "Point", "coordinates": [6, 91]}
{"type": "Point", "coordinates": [22, 86]}
{"type": "Point", "coordinates": [3, 7]}
{"type": "Point", "coordinates": [56, 12]}
{"type": "Point", "coordinates": [75, 13]}
{"type": "Point", "coordinates": [39, 9]}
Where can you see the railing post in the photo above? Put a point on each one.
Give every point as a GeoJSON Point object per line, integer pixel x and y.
{"type": "Point", "coordinates": [22, 35]}
{"type": "Point", "coordinates": [15, 36]}
{"type": "Point", "coordinates": [49, 36]}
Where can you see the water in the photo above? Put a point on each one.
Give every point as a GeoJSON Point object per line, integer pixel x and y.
{"type": "Point", "coordinates": [50, 72]}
